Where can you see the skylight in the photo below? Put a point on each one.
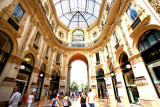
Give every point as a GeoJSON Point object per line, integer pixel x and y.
{"type": "Point", "coordinates": [77, 13]}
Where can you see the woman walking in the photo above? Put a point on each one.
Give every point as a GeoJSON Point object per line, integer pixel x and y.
{"type": "Point", "coordinates": [83, 100]}
{"type": "Point", "coordinates": [55, 100]}
{"type": "Point", "coordinates": [25, 98]}
{"type": "Point", "coordinates": [66, 101]}
{"type": "Point", "coordinates": [30, 99]}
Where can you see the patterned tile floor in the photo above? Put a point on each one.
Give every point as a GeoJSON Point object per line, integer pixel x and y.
{"type": "Point", "coordinates": [77, 104]}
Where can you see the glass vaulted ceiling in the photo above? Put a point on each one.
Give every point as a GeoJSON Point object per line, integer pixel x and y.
{"type": "Point", "coordinates": [77, 13]}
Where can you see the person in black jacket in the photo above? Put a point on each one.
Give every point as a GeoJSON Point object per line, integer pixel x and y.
{"type": "Point", "coordinates": [83, 100]}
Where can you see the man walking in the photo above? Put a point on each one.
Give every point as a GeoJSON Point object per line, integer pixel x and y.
{"type": "Point", "coordinates": [91, 97]}
{"type": "Point", "coordinates": [13, 102]}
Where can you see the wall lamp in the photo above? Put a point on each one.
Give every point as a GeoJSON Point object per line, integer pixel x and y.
{"type": "Point", "coordinates": [21, 67]}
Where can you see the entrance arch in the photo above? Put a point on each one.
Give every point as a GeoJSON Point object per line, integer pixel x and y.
{"type": "Point", "coordinates": [129, 78]}
{"type": "Point", "coordinates": [101, 83]}
{"type": "Point", "coordinates": [5, 49]}
{"type": "Point", "coordinates": [148, 46]}
{"type": "Point", "coordinates": [23, 77]}
{"type": "Point", "coordinates": [40, 81]}
{"type": "Point", "coordinates": [54, 81]}
{"type": "Point", "coordinates": [74, 57]}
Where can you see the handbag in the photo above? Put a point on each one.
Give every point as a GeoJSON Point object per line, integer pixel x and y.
{"type": "Point", "coordinates": [69, 103]}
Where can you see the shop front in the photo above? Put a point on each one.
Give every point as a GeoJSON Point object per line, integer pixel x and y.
{"type": "Point", "coordinates": [24, 74]}
{"type": "Point", "coordinates": [114, 82]}
{"type": "Point", "coordinates": [54, 82]}
{"type": "Point", "coordinates": [5, 49]}
{"type": "Point", "coordinates": [40, 82]}
{"type": "Point", "coordinates": [129, 79]}
{"type": "Point", "coordinates": [101, 84]}
{"type": "Point", "coordinates": [149, 47]}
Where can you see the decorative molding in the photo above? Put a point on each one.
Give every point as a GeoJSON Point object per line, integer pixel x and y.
{"type": "Point", "coordinates": [140, 81]}
{"type": "Point", "coordinates": [98, 66]}
{"type": "Point", "coordinates": [34, 85]}
{"type": "Point", "coordinates": [119, 84]}
{"type": "Point", "coordinates": [108, 86]}
{"type": "Point", "coordinates": [9, 79]}
{"type": "Point", "coordinates": [121, 47]}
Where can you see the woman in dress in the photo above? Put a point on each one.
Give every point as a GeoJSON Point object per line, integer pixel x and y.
{"type": "Point", "coordinates": [30, 99]}
{"type": "Point", "coordinates": [83, 100]}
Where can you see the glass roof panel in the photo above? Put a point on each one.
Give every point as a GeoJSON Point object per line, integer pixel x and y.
{"type": "Point", "coordinates": [77, 13]}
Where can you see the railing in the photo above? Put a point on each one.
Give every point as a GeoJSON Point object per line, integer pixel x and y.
{"type": "Point", "coordinates": [74, 45]}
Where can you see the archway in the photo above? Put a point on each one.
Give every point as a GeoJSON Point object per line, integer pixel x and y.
{"type": "Point", "coordinates": [5, 49]}
{"type": "Point", "coordinates": [40, 81]}
{"type": "Point", "coordinates": [77, 56]}
{"type": "Point", "coordinates": [114, 82]}
{"type": "Point", "coordinates": [101, 83]}
{"type": "Point", "coordinates": [24, 75]}
{"type": "Point", "coordinates": [148, 47]}
{"type": "Point", "coordinates": [129, 78]}
{"type": "Point", "coordinates": [54, 81]}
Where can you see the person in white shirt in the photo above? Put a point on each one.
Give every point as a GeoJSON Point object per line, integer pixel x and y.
{"type": "Point", "coordinates": [91, 97]}
{"type": "Point", "coordinates": [30, 99]}
{"type": "Point", "coordinates": [13, 102]}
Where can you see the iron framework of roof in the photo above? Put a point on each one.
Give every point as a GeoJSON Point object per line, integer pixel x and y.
{"type": "Point", "coordinates": [77, 13]}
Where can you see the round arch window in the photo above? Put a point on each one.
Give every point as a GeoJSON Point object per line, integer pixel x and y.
{"type": "Point", "coordinates": [78, 35]}
{"type": "Point", "coordinates": [148, 39]}
{"type": "Point", "coordinates": [5, 49]}
{"type": "Point", "coordinates": [149, 48]}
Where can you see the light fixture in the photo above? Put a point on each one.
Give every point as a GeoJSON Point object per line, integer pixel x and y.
{"type": "Point", "coordinates": [128, 66]}
{"type": "Point", "coordinates": [105, 78]}
{"type": "Point", "coordinates": [112, 74]}
{"type": "Point", "coordinates": [41, 75]}
{"type": "Point", "coordinates": [22, 67]}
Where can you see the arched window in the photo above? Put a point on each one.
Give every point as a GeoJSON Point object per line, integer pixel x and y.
{"type": "Point", "coordinates": [5, 49]}
{"type": "Point", "coordinates": [149, 48]}
{"type": "Point", "coordinates": [101, 83]}
{"type": "Point", "coordinates": [148, 39]}
{"type": "Point", "coordinates": [77, 36]}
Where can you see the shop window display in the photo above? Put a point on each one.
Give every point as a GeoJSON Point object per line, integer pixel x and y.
{"type": "Point", "coordinates": [151, 55]}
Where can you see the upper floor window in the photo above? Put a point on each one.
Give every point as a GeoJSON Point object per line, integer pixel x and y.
{"type": "Point", "coordinates": [58, 57]}
{"type": "Point", "coordinates": [115, 37]}
{"type": "Point", "coordinates": [132, 13]}
{"type": "Point", "coordinates": [47, 51]}
{"type": "Point", "coordinates": [97, 59]}
{"type": "Point", "coordinates": [17, 13]}
{"type": "Point", "coordinates": [149, 38]}
{"type": "Point", "coordinates": [107, 49]}
{"type": "Point", "coordinates": [37, 38]}
{"type": "Point", "coordinates": [78, 35]}
{"type": "Point", "coordinates": [95, 34]}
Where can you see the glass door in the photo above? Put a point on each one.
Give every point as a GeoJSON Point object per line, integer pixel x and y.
{"type": "Point", "coordinates": [131, 87]}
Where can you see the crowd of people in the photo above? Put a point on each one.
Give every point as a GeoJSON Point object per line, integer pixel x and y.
{"type": "Point", "coordinates": [56, 96]}
{"type": "Point", "coordinates": [15, 98]}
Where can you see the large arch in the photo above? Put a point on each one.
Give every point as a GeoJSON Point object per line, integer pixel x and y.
{"type": "Point", "coordinates": [72, 58]}
{"type": "Point", "coordinates": [139, 34]}
{"type": "Point", "coordinates": [13, 40]}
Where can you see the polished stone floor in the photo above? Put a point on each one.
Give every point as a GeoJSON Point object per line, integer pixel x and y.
{"type": "Point", "coordinates": [77, 104]}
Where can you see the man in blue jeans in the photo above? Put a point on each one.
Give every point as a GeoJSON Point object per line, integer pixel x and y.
{"type": "Point", "coordinates": [91, 97]}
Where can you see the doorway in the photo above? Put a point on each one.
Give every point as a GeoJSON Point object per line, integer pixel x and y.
{"type": "Point", "coordinates": [101, 84]}
{"type": "Point", "coordinates": [23, 77]}
{"type": "Point", "coordinates": [78, 77]}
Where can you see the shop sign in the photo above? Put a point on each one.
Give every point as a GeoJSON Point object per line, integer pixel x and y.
{"type": "Point", "coordinates": [151, 54]}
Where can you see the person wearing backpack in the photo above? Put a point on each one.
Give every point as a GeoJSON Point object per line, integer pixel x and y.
{"type": "Point", "coordinates": [66, 101]}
